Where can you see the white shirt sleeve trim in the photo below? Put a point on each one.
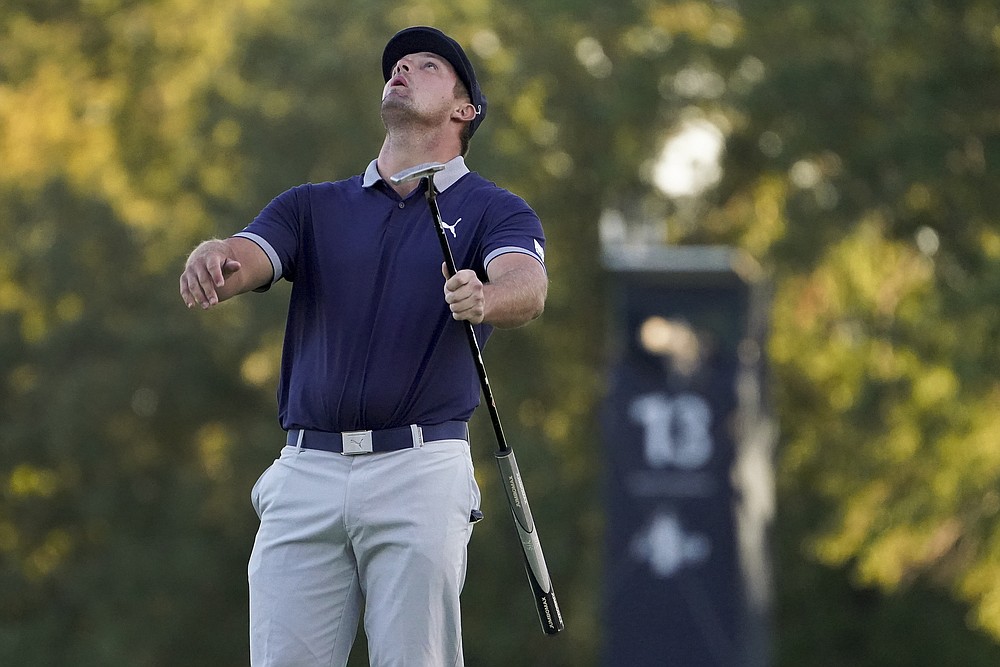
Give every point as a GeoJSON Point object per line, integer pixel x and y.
{"type": "Point", "coordinates": [508, 249]}
{"type": "Point", "coordinates": [268, 250]}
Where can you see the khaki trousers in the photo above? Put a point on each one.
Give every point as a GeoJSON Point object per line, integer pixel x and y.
{"type": "Point", "coordinates": [385, 533]}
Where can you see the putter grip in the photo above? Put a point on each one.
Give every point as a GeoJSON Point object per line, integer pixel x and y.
{"type": "Point", "coordinates": [534, 561]}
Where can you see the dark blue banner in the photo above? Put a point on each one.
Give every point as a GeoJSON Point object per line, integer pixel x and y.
{"type": "Point", "coordinates": [675, 584]}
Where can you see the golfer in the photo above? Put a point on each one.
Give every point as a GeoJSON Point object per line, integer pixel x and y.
{"type": "Point", "coordinates": [370, 506]}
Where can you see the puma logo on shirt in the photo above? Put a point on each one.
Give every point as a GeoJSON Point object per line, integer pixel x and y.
{"type": "Point", "coordinates": [451, 227]}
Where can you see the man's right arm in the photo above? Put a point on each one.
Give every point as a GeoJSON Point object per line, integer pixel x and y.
{"type": "Point", "coordinates": [222, 268]}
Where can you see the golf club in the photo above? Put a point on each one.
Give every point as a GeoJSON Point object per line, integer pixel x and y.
{"type": "Point", "coordinates": [538, 574]}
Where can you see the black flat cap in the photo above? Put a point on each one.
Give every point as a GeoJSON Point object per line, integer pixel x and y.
{"type": "Point", "coordinates": [419, 39]}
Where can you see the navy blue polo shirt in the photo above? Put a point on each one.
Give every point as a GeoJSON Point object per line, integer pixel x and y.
{"type": "Point", "coordinates": [370, 342]}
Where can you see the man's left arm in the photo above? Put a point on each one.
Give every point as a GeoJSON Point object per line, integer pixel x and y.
{"type": "Point", "coordinates": [514, 295]}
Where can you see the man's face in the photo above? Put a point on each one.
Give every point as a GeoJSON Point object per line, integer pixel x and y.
{"type": "Point", "coordinates": [422, 86]}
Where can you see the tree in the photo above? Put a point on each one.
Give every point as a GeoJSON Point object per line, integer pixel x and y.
{"type": "Point", "coordinates": [857, 169]}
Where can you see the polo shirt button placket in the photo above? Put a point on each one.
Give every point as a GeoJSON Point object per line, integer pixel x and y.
{"type": "Point", "coordinates": [402, 205]}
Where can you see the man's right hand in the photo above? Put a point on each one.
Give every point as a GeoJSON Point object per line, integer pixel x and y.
{"type": "Point", "coordinates": [207, 269]}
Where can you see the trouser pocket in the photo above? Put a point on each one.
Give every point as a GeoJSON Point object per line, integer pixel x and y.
{"type": "Point", "coordinates": [255, 491]}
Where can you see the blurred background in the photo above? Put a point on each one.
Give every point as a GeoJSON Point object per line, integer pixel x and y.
{"type": "Point", "coordinates": [850, 150]}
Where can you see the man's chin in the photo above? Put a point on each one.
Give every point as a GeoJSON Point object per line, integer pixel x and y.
{"type": "Point", "coordinates": [393, 103]}
{"type": "Point", "coordinates": [397, 111]}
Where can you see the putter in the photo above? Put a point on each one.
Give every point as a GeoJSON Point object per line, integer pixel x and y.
{"type": "Point", "coordinates": [534, 562]}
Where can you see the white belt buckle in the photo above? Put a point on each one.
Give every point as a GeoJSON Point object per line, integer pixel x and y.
{"type": "Point", "coordinates": [356, 442]}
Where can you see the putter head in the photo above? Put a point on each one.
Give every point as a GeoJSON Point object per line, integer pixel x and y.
{"type": "Point", "coordinates": [420, 171]}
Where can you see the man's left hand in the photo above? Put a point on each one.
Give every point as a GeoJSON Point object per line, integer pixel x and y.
{"type": "Point", "coordinates": [463, 292]}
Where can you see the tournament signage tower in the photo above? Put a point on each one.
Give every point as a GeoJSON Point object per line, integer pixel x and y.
{"type": "Point", "coordinates": [688, 446]}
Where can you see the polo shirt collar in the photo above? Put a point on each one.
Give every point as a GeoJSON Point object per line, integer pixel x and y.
{"type": "Point", "coordinates": [454, 169]}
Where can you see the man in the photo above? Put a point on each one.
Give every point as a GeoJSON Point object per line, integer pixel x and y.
{"type": "Point", "coordinates": [371, 503]}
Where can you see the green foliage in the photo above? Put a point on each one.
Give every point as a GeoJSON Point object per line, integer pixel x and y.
{"type": "Point", "coordinates": [859, 172]}
{"type": "Point", "coordinates": [861, 148]}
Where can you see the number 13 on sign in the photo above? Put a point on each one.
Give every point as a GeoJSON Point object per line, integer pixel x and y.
{"type": "Point", "coordinates": [676, 429]}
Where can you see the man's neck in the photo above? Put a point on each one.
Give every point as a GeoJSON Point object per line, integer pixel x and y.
{"type": "Point", "coordinates": [402, 150]}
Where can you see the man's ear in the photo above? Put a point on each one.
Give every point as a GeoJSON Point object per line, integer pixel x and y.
{"type": "Point", "coordinates": [466, 112]}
